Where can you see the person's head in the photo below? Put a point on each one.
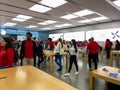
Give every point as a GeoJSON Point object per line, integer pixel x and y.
{"type": "Point", "coordinates": [7, 42]}
{"type": "Point", "coordinates": [92, 39]}
{"type": "Point", "coordinates": [14, 39]}
{"type": "Point", "coordinates": [60, 40]}
{"type": "Point", "coordinates": [107, 40]}
{"type": "Point", "coordinates": [73, 43]}
{"type": "Point", "coordinates": [117, 41]}
{"type": "Point", "coordinates": [49, 39]}
{"type": "Point", "coordinates": [29, 35]}
{"type": "Point", "coordinates": [64, 41]}
{"type": "Point", "coordinates": [34, 38]}
{"type": "Point", "coordinates": [45, 41]}
{"type": "Point", "coordinates": [41, 42]}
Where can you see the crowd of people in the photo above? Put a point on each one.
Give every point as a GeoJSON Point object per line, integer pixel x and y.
{"type": "Point", "coordinates": [31, 50]}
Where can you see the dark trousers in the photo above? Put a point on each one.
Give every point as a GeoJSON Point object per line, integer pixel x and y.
{"type": "Point", "coordinates": [73, 59]}
{"type": "Point", "coordinates": [93, 57]}
{"type": "Point", "coordinates": [40, 60]}
{"type": "Point", "coordinates": [108, 52]}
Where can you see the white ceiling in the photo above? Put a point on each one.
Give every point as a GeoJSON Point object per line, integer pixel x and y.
{"type": "Point", "coordinates": [9, 9]}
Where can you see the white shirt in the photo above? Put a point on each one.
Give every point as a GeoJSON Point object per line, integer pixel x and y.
{"type": "Point", "coordinates": [59, 49]}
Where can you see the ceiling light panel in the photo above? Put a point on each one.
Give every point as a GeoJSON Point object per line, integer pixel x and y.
{"type": "Point", "coordinates": [47, 22]}
{"type": "Point", "coordinates": [10, 24]}
{"type": "Point", "coordinates": [117, 3]}
{"type": "Point", "coordinates": [83, 12]}
{"type": "Point", "coordinates": [53, 3]}
{"type": "Point", "coordinates": [63, 25]}
{"type": "Point", "coordinates": [85, 21]}
{"type": "Point", "coordinates": [31, 26]}
{"type": "Point", "coordinates": [23, 17]}
{"type": "Point", "coordinates": [50, 21]}
{"type": "Point", "coordinates": [39, 8]}
{"type": "Point", "coordinates": [45, 28]}
{"type": "Point", "coordinates": [99, 18]}
{"type": "Point", "coordinates": [18, 19]}
{"type": "Point", "coordinates": [69, 16]}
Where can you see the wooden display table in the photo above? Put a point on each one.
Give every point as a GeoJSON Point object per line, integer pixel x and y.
{"type": "Point", "coordinates": [51, 55]}
{"type": "Point", "coordinates": [117, 53]}
{"type": "Point", "coordinates": [101, 74]}
{"type": "Point", "coordinates": [30, 78]}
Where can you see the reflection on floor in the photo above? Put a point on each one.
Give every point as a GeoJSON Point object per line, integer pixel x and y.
{"type": "Point", "coordinates": [80, 81]}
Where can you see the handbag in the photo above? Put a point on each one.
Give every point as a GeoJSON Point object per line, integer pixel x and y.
{"type": "Point", "coordinates": [57, 53]}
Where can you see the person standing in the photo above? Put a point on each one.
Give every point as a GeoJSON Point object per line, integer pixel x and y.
{"type": "Point", "coordinates": [28, 51]}
{"type": "Point", "coordinates": [7, 53]}
{"type": "Point", "coordinates": [40, 53]}
{"type": "Point", "coordinates": [50, 44]}
{"type": "Point", "coordinates": [92, 50]}
{"type": "Point", "coordinates": [73, 57]}
{"type": "Point", "coordinates": [36, 42]}
{"type": "Point", "coordinates": [60, 50]}
{"type": "Point", "coordinates": [117, 45]}
{"type": "Point", "coordinates": [108, 47]}
{"type": "Point", "coordinates": [16, 47]}
{"type": "Point", "coordinates": [45, 45]}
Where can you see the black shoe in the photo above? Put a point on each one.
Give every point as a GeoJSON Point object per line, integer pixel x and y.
{"type": "Point", "coordinates": [90, 69]}
{"type": "Point", "coordinates": [59, 69]}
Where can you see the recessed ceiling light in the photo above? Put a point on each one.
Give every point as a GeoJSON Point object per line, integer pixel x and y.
{"type": "Point", "coordinates": [18, 19]}
{"type": "Point", "coordinates": [83, 13]}
{"type": "Point", "coordinates": [45, 28]}
{"type": "Point", "coordinates": [10, 24]}
{"type": "Point", "coordinates": [99, 18]}
{"type": "Point", "coordinates": [69, 16]}
{"type": "Point", "coordinates": [39, 8]}
{"type": "Point", "coordinates": [63, 25]}
{"type": "Point", "coordinates": [85, 21]}
{"type": "Point", "coordinates": [50, 21]}
{"type": "Point", "coordinates": [23, 17]}
{"type": "Point", "coordinates": [47, 22]}
{"type": "Point", "coordinates": [31, 26]}
{"type": "Point", "coordinates": [53, 3]}
{"type": "Point", "coordinates": [117, 2]}
{"type": "Point", "coordinates": [43, 23]}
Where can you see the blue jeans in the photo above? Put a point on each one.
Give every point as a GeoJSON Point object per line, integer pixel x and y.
{"type": "Point", "coordinates": [58, 61]}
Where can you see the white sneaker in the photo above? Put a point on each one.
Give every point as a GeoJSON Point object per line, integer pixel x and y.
{"type": "Point", "coordinates": [76, 73]}
{"type": "Point", "coordinates": [67, 74]}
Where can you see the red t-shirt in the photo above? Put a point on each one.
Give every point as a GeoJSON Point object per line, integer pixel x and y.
{"type": "Point", "coordinates": [107, 44]}
{"type": "Point", "coordinates": [93, 47]}
{"type": "Point", "coordinates": [50, 44]}
{"type": "Point", "coordinates": [29, 49]}
{"type": "Point", "coordinates": [7, 57]}
{"type": "Point", "coordinates": [1, 47]}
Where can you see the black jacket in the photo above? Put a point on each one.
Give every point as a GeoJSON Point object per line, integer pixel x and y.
{"type": "Point", "coordinates": [22, 52]}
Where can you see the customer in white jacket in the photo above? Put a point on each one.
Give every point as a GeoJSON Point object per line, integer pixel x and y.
{"type": "Point", "coordinates": [59, 49]}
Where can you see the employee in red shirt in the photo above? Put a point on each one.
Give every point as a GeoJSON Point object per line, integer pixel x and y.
{"type": "Point", "coordinates": [50, 44]}
{"type": "Point", "coordinates": [92, 50]}
{"type": "Point", "coordinates": [28, 51]}
{"type": "Point", "coordinates": [7, 53]}
{"type": "Point", "coordinates": [108, 47]}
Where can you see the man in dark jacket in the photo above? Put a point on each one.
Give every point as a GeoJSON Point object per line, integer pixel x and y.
{"type": "Point", "coordinates": [28, 51]}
